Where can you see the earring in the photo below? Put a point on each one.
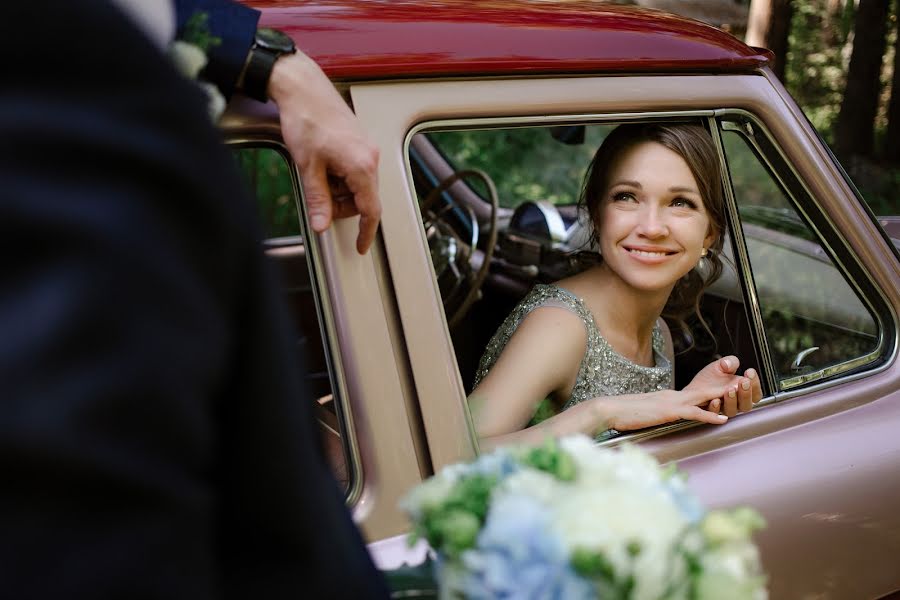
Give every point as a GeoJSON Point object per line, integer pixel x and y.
{"type": "Point", "coordinates": [701, 267]}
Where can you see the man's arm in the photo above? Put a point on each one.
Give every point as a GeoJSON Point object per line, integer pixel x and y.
{"type": "Point", "coordinates": [338, 163]}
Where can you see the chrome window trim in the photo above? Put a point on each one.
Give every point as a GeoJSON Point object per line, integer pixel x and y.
{"type": "Point", "coordinates": [327, 326]}
{"type": "Point", "coordinates": [745, 272]}
{"type": "Point", "coordinates": [791, 383]}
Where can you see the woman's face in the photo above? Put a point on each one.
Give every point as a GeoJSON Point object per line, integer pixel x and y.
{"type": "Point", "coordinates": [652, 222]}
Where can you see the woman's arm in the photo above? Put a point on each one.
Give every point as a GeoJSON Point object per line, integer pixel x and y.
{"type": "Point", "coordinates": [624, 413]}
{"type": "Point", "coordinates": [541, 359]}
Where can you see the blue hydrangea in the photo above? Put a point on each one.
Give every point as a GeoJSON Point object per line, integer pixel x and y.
{"type": "Point", "coordinates": [515, 558]}
{"type": "Point", "coordinates": [499, 463]}
{"type": "Point", "coordinates": [686, 502]}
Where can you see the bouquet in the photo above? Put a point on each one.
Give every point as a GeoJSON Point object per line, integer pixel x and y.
{"type": "Point", "coordinates": [573, 520]}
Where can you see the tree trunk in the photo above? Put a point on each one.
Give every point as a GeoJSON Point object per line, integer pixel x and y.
{"type": "Point", "coordinates": [855, 130]}
{"type": "Point", "coordinates": [768, 26]}
{"type": "Point", "coordinates": [892, 143]}
{"type": "Point", "coordinates": [832, 23]}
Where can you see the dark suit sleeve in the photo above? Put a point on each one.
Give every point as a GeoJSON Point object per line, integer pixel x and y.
{"type": "Point", "coordinates": [234, 25]}
{"type": "Point", "coordinates": [155, 441]}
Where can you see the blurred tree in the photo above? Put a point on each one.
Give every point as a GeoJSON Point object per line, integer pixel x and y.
{"type": "Point", "coordinates": [855, 129]}
{"type": "Point", "coordinates": [837, 21]}
{"type": "Point", "coordinates": [768, 26]}
{"type": "Point", "coordinates": [892, 145]}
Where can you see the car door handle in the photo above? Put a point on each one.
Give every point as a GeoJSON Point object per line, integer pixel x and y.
{"type": "Point", "coordinates": [798, 360]}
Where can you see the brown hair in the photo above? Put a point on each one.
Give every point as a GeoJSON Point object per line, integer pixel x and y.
{"type": "Point", "coordinates": [694, 144]}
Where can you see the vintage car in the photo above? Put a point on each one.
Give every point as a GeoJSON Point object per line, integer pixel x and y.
{"type": "Point", "coordinates": [486, 115]}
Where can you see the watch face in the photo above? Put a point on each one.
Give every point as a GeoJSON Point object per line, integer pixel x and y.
{"type": "Point", "coordinates": [277, 41]}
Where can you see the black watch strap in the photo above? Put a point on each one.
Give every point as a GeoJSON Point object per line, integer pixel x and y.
{"type": "Point", "coordinates": [257, 73]}
{"type": "Point", "coordinates": [268, 46]}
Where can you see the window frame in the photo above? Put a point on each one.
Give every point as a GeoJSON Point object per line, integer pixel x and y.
{"type": "Point", "coordinates": [774, 389]}
{"type": "Point", "coordinates": [326, 318]}
{"type": "Point", "coordinates": [707, 116]}
{"type": "Point", "coordinates": [833, 243]}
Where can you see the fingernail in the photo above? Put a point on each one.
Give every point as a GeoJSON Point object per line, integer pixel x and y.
{"type": "Point", "coordinates": [751, 373]}
{"type": "Point", "coordinates": [732, 393]}
{"type": "Point", "coordinates": [727, 363]}
{"type": "Point", "coordinates": [745, 384]}
{"type": "Point", "coordinates": [318, 222]}
{"type": "Point", "coordinates": [722, 418]}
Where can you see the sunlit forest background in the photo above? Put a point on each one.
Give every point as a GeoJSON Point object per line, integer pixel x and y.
{"type": "Point", "coordinates": [837, 58]}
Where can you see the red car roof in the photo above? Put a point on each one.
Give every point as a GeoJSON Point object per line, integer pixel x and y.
{"type": "Point", "coordinates": [363, 39]}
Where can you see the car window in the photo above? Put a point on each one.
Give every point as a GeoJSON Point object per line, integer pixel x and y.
{"type": "Point", "coordinates": [538, 242]}
{"type": "Point", "coordinates": [816, 323]}
{"type": "Point", "coordinates": [273, 184]}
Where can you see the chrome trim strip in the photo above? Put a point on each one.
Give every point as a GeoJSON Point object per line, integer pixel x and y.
{"type": "Point", "coordinates": [745, 272]}
{"type": "Point", "coordinates": [793, 382]}
{"type": "Point", "coordinates": [326, 323]}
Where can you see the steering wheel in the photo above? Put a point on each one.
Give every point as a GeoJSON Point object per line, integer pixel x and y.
{"type": "Point", "coordinates": [453, 249]}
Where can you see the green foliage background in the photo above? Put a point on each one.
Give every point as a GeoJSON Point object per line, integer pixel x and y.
{"type": "Point", "coordinates": [816, 74]}
{"type": "Point", "coordinates": [526, 164]}
{"type": "Point", "coordinates": [268, 176]}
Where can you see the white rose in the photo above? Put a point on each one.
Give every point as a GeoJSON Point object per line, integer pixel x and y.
{"type": "Point", "coordinates": [602, 467]}
{"type": "Point", "coordinates": [538, 485]}
{"type": "Point", "coordinates": [609, 519]}
{"type": "Point", "coordinates": [189, 59]}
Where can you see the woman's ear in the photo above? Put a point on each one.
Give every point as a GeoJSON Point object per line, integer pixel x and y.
{"type": "Point", "coordinates": [711, 238]}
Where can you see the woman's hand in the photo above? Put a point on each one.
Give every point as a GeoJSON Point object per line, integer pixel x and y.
{"type": "Point", "coordinates": [742, 392]}
{"type": "Point", "coordinates": [656, 408]}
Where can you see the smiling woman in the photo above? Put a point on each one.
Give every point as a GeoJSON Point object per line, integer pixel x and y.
{"type": "Point", "coordinates": [594, 344]}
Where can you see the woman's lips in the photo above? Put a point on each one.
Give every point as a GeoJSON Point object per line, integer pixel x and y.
{"type": "Point", "coordinates": [649, 255]}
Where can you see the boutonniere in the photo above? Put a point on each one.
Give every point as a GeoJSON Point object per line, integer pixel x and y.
{"type": "Point", "coordinates": [189, 56]}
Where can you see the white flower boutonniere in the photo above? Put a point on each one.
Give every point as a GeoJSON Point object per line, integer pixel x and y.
{"type": "Point", "coordinates": [189, 56]}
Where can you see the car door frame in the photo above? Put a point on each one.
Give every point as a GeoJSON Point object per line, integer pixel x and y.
{"type": "Point", "coordinates": [718, 460]}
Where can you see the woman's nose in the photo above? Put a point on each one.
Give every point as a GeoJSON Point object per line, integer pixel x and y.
{"type": "Point", "coordinates": [652, 223]}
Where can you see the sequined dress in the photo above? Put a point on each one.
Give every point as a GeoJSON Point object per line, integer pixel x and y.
{"type": "Point", "coordinates": [603, 371]}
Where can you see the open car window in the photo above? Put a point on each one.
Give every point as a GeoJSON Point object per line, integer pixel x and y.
{"type": "Point", "coordinates": [273, 184]}
{"type": "Point", "coordinates": [537, 171]}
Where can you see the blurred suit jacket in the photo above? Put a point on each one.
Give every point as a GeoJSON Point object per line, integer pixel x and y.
{"type": "Point", "coordinates": [155, 438]}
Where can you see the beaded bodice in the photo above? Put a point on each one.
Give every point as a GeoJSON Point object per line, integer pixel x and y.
{"type": "Point", "coordinates": [603, 371]}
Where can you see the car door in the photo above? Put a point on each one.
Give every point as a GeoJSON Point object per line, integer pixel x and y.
{"type": "Point", "coordinates": [818, 457]}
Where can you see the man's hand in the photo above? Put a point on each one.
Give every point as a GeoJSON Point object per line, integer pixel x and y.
{"type": "Point", "coordinates": [742, 391]}
{"type": "Point", "coordinates": [337, 161]}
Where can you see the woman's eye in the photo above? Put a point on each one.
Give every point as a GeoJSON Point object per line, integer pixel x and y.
{"type": "Point", "coordinates": [684, 203]}
{"type": "Point", "coordinates": [624, 197]}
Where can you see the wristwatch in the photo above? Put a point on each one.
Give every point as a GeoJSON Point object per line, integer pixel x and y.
{"type": "Point", "coordinates": [268, 46]}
